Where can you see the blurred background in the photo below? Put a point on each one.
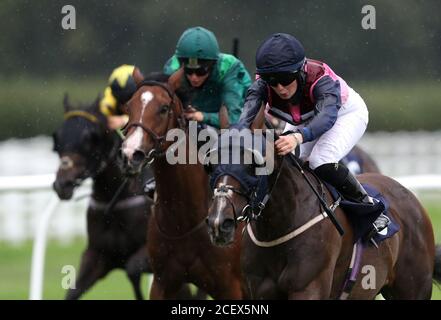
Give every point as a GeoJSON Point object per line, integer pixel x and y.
{"type": "Point", "coordinates": [396, 67]}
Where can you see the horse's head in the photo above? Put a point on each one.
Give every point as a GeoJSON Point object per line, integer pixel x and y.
{"type": "Point", "coordinates": [153, 110]}
{"type": "Point", "coordinates": [238, 177]}
{"type": "Point", "coordinates": [83, 144]}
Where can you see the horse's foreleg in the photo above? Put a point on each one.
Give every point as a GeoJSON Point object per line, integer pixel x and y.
{"type": "Point", "coordinates": [163, 290]}
{"type": "Point", "coordinates": [233, 291]}
{"type": "Point", "coordinates": [185, 293]}
{"type": "Point", "coordinates": [222, 286]}
{"type": "Point", "coordinates": [93, 267]}
{"type": "Point", "coordinates": [157, 290]}
{"type": "Point", "coordinates": [313, 292]}
{"type": "Point", "coordinates": [136, 265]}
{"type": "Point", "coordinates": [317, 289]}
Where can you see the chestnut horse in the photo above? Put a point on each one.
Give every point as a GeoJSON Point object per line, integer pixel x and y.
{"type": "Point", "coordinates": [178, 242]}
{"type": "Point", "coordinates": [117, 234]}
{"type": "Point", "coordinates": [314, 264]}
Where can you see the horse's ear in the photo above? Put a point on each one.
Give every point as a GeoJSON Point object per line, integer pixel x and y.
{"type": "Point", "coordinates": [259, 120]}
{"type": "Point", "coordinates": [137, 76]}
{"type": "Point", "coordinates": [224, 122]}
{"type": "Point", "coordinates": [175, 79]}
{"type": "Point", "coordinates": [66, 103]}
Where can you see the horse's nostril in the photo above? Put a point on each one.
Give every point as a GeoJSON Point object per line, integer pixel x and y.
{"type": "Point", "coordinates": [138, 157]}
{"type": "Point", "coordinates": [227, 225]}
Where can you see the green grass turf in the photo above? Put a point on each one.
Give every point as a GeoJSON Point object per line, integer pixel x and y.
{"type": "Point", "coordinates": [15, 273]}
{"type": "Point", "coordinates": [15, 264]}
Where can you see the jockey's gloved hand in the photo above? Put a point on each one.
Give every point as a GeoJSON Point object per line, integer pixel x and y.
{"type": "Point", "coordinates": [288, 142]}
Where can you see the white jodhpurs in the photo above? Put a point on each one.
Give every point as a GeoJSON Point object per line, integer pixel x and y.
{"type": "Point", "coordinates": [336, 143]}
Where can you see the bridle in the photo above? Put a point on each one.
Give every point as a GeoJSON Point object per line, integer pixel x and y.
{"type": "Point", "coordinates": [158, 140]}
{"type": "Point", "coordinates": [253, 209]}
{"type": "Point", "coordinates": [94, 119]}
{"type": "Point", "coordinates": [224, 191]}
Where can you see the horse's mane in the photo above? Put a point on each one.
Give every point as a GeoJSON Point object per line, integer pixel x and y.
{"type": "Point", "coordinates": [92, 108]}
{"type": "Point", "coordinates": [157, 76]}
{"type": "Point", "coordinates": [291, 158]}
{"type": "Point", "coordinates": [184, 94]}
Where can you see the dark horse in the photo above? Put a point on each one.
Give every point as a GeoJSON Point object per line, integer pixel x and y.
{"type": "Point", "coordinates": [116, 235]}
{"type": "Point", "coordinates": [314, 264]}
{"type": "Point", "coordinates": [178, 243]}
{"type": "Point", "coordinates": [359, 161]}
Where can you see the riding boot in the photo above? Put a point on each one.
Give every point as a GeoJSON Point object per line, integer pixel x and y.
{"type": "Point", "coordinates": [149, 187]}
{"type": "Point", "coordinates": [350, 188]}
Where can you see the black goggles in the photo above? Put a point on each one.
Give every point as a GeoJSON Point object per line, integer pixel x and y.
{"type": "Point", "coordinates": [284, 78]}
{"type": "Point", "coordinates": [201, 71]}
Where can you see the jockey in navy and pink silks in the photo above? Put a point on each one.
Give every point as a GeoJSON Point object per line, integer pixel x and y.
{"type": "Point", "coordinates": [324, 116]}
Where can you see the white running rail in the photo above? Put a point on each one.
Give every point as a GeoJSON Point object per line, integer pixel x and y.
{"type": "Point", "coordinates": [37, 183]}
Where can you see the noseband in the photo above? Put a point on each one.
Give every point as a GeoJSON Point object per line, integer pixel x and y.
{"type": "Point", "coordinates": [158, 140]}
{"type": "Point", "coordinates": [254, 207]}
{"type": "Point", "coordinates": [223, 191]}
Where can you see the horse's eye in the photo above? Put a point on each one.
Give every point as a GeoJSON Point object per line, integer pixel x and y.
{"type": "Point", "coordinates": [164, 109]}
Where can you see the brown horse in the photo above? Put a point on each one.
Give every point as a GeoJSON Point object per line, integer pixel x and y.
{"type": "Point", "coordinates": [314, 263]}
{"type": "Point", "coordinates": [178, 243]}
{"type": "Point", "coordinates": [116, 236]}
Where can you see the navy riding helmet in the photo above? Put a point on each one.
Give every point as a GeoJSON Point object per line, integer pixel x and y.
{"type": "Point", "coordinates": [281, 52]}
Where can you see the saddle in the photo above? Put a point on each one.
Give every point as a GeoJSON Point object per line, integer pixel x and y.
{"type": "Point", "coordinates": [360, 215]}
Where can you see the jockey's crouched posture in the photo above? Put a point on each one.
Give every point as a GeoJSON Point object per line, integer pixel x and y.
{"type": "Point", "coordinates": [120, 88]}
{"type": "Point", "coordinates": [328, 117]}
{"type": "Point", "coordinates": [212, 80]}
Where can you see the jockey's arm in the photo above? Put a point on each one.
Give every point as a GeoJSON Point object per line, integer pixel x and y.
{"type": "Point", "coordinates": [327, 96]}
{"type": "Point", "coordinates": [236, 83]}
{"type": "Point", "coordinates": [117, 122]}
{"type": "Point", "coordinates": [109, 106]}
{"type": "Point", "coordinates": [255, 100]}
{"type": "Point", "coordinates": [233, 88]}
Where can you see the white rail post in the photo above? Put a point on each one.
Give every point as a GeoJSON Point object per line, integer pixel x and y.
{"type": "Point", "coordinates": [39, 250]}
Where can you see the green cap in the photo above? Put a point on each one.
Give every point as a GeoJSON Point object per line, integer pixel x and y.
{"type": "Point", "coordinates": [197, 43]}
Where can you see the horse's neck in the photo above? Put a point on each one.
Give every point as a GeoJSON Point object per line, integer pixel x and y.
{"type": "Point", "coordinates": [182, 194]}
{"type": "Point", "coordinates": [292, 204]}
{"type": "Point", "coordinates": [109, 179]}
{"type": "Point", "coordinates": [107, 182]}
